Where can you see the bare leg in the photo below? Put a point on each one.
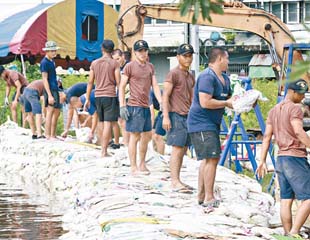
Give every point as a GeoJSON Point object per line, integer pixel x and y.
{"type": "Point", "coordinates": [145, 138]}
{"type": "Point", "coordinates": [14, 113]}
{"type": "Point", "coordinates": [159, 143]}
{"type": "Point", "coordinates": [286, 214]}
{"type": "Point", "coordinates": [125, 134]}
{"type": "Point", "coordinates": [176, 161]}
{"type": "Point", "coordinates": [31, 123]}
{"type": "Point", "coordinates": [24, 116]}
{"type": "Point", "coordinates": [106, 136]}
{"type": "Point", "coordinates": [301, 216]}
{"type": "Point", "coordinates": [48, 121]}
{"type": "Point", "coordinates": [54, 122]}
{"type": "Point", "coordinates": [209, 178]}
{"type": "Point", "coordinates": [116, 132]}
{"type": "Point", "coordinates": [132, 151]}
{"type": "Point", "coordinates": [39, 124]}
{"type": "Point", "coordinates": [201, 186]}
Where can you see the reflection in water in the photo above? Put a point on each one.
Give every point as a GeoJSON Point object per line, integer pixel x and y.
{"type": "Point", "coordinates": [21, 220]}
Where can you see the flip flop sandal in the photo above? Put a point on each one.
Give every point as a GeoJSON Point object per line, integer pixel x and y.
{"type": "Point", "coordinates": [184, 190]}
{"type": "Point", "coordinates": [212, 203]}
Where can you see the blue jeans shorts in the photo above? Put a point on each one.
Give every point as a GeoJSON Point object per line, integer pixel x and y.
{"type": "Point", "coordinates": [294, 177]}
{"type": "Point", "coordinates": [178, 135]}
{"type": "Point", "coordinates": [206, 144]}
{"type": "Point", "coordinates": [31, 100]}
{"type": "Point", "coordinates": [139, 119]}
{"type": "Point", "coordinates": [158, 125]}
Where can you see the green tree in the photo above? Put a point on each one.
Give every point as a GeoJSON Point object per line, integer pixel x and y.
{"type": "Point", "coordinates": [203, 7]}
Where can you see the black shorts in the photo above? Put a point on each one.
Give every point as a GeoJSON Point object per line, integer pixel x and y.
{"type": "Point", "coordinates": [55, 94]}
{"type": "Point", "coordinates": [206, 144]}
{"type": "Point", "coordinates": [107, 109]}
{"type": "Point", "coordinates": [178, 135]}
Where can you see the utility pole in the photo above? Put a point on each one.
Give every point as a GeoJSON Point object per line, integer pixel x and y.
{"type": "Point", "coordinates": [194, 40]}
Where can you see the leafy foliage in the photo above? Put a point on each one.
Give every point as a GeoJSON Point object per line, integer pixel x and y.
{"type": "Point", "coordinates": [203, 7]}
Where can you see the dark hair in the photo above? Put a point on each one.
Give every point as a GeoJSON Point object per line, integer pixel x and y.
{"type": "Point", "coordinates": [215, 52]}
{"type": "Point", "coordinates": [127, 56]}
{"type": "Point", "coordinates": [117, 51]}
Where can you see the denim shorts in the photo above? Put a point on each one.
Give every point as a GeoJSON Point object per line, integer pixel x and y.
{"type": "Point", "coordinates": [206, 144]}
{"type": "Point", "coordinates": [107, 108]}
{"type": "Point", "coordinates": [178, 135]}
{"type": "Point", "coordinates": [139, 119]}
{"type": "Point", "coordinates": [158, 125]}
{"type": "Point", "coordinates": [55, 94]}
{"type": "Point", "coordinates": [294, 177]}
{"type": "Point", "coordinates": [92, 108]}
{"type": "Point", "coordinates": [31, 100]}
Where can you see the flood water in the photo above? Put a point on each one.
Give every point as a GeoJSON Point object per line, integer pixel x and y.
{"type": "Point", "coordinates": [21, 220]}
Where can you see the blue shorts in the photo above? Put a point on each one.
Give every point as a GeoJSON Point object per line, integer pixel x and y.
{"type": "Point", "coordinates": [178, 134]}
{"type": "Point", "coordinates": [158, 125]}
{"type": "Point", "coordinates": [31, 100]}
{"type": "Point", "coordinates": [294, 177]}
{"type": "Point", "coordinates": [92, 107]}
{"type": "Point", "coordinates": [206, 144]}
{"type": "Point", "coordinates": [55, 94]}
{"type": "Point", "coordinates": [139, 119]}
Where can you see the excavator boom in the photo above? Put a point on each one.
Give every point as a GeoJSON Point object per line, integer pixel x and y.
{"type": "Point", "coordinates": [236, 16]}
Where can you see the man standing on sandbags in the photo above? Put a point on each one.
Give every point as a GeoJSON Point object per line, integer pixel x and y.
{"type": "Point", "coordinates": [105, 71]}
{"type": "Point", "coordinates": [140, 75]}
{"type": "Point", "coordinates": [51, 95]}
{"type": "Point", "coordinates": [211, 95]}
{"type": "Point", "coordinates": [285, 123]}
{"type": "Point", "coordinates": [177, 99]}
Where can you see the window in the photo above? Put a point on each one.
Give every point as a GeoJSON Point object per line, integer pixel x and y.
{"type": "Point", "coordinates": [267, 6]}
{"type": "Point", "coordinates": [90, 28]}
{"type": "Point", "coordinates": [147, 20]}
{"type": "Point", "coordinates": [307, 12]}
{"type": "Point", "coordinates": [277, 10]}
{"type": "Point", "coordinates": [161, 21]}
{"type": "Point", "coordinates": [292, 12]}
{"type": "Point", "coordinates": [174, 22]}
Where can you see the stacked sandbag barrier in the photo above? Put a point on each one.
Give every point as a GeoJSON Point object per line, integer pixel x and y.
{"type": "Point", "coordinates": [101, 200]}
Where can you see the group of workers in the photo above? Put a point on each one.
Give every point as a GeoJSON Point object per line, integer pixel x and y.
{"type": "Point", "coordinates": [190, 113]}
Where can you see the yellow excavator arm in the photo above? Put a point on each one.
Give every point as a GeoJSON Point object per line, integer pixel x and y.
{"type": "Point", "coordinates": [236, 16]}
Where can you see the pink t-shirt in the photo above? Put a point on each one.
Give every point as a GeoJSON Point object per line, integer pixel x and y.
{"type": "Point", "coordinates": [182, 92]}
{"type": "Point", "coordinates": [280, 117]}
{"type": "Point", "coordinates": [37, 85]}
{"type": "Point", "coordinates": [104, 72]}
{"type": "Point", "coordinates": [140, 82]}
{"type": "Point", "coordinates": [13, 76]}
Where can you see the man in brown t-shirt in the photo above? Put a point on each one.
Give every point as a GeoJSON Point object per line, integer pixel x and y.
{"type": "Point", "coordinates": [177, 99]}
{"type": "Point", "coordinates": [140, 76]}
{"type": "Point", "coordinates": [105, 71]}
{"type": "Point", "coordinates": [17, 80]}
{"type": "Point", "coordinates": [285, 122]}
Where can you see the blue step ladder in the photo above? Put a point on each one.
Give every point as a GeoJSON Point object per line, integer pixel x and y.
{"type": "Point", "coordinates": [231, 138]}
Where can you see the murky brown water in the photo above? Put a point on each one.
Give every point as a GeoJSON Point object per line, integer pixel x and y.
{"type": "Point", "coordinates": [21, 220]}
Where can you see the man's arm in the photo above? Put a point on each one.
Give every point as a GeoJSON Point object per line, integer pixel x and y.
{"type": "Point", "coordinates": [18, 89]}
{"type": "Point", "coordinates": [207, 101]}
{"type": "Point", "coordinates": [90, 85]}
{"type": "Point", "coordinates": [117, 75]}
{"type": "Point", "coordinates": [302, 136]}
{"type": "Point", "coordinates": [166, 96]}
{"type": "Point", "coordinates": [47, 87]}
{"type": "Point", "coordinates": [262, 168]}
{"type": "Point", "coordinates": [69, 120]}
{"type": "Point", "coordinates": [156, 90]}
{"type": "Point", "coordinates": [122, 86]}
{"type": "Point", "coordinates": [7, 94]}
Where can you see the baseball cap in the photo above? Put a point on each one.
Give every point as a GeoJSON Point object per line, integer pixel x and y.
{"type": "Point", "coordinates": [1, 69]}
{"type": "Point", "coordinates": [184, 49]}
{"type": "Point", "coordinates": [108, 45]}
{"type": "Point", "coordinates": [139, 45]}
{"type": "Point", "coordinates": [300, 86]}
